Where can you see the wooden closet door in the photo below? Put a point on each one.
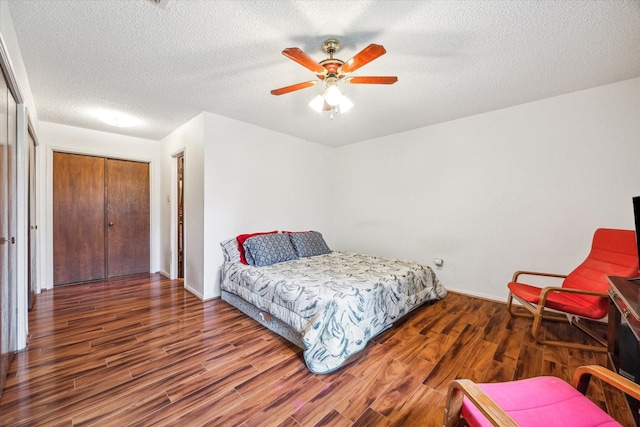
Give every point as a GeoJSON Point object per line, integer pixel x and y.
{"type": "Point", "coordinates": [78, 218]}
{"type": "Point", "coordinates": [128, 217]}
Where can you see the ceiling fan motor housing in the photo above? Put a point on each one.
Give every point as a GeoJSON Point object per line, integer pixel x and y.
{"type": "Point", "coordinates": [331, 46]}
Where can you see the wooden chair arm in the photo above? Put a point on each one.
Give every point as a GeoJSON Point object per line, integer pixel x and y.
{"type": "Point", "coordinates": [583, 374]}
{"type": "Point", "coordinates": [490, 409]}
{"type": "Point", "coordinates": [536, 273]}
{"type": "Point", "coordinates": [546, 291]}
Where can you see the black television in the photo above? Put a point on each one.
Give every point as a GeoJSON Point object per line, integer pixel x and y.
{"type": "Point", "coordinates": [636, 216]}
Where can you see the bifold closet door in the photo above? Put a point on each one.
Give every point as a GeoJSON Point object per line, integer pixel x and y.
{"type": "Point", "coordinates": [78, 218]}
{"type": "Point", "coordinates": [100, 218]}
{"type": "Point", "coordinates": [128, 217]}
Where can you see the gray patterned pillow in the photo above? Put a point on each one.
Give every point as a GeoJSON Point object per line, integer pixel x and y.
{"type": "Point", "coordinates": [269, 249]}
{"type": "Point", "coordinates": [230, 250]}
{"type": "Point", "coordinates": [309, 243]}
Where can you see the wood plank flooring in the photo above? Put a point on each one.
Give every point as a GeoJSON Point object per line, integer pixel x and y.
{"type": "Point", "coordinates": [142, 351]}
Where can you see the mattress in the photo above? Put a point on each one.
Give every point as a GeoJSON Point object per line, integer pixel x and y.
{"type": "Point", "coordinates": [337, 301]}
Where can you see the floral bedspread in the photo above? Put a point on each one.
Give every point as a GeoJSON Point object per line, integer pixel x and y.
{"type": "Point", "coordinates": [337, 301]}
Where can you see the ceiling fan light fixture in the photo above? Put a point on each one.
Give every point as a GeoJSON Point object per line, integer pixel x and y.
{"type": "Point", "coordinates": [331, 71]}
{"type": "Point", "coordinates": [333, 95]}
{"type": "Point", "coordinates": [345, 104]}
{"type": "Point", "coordinates": [317, 103]}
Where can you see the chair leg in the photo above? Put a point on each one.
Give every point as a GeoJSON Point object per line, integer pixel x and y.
{"type": "Point", "coordinates": [538, 314]}
{"type": "Point", "coordinates": [525, 306]}
{"type": "Point", "coordinates": [537, 321]}
{"type": "Point", "coordinates": [587, 330]}
{"type": "Point", "coordinates": [585, 347]}
{"type": "Point", "coordinates": [453, 408]}
{"type": "Point", "coordinates": [510, 303]}
{"type": "Point", "coordinates": [602, 348]}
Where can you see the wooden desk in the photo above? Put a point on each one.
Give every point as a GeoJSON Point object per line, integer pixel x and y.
{"type": "Point", "coordinates": [624, 300]}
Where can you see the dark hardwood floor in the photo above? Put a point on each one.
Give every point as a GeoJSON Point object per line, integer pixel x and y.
{"type": "Point", "coordinates": [142, 351]}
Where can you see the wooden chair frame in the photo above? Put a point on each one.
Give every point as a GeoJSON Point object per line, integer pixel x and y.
{"type": "Point", "coordinates": [461, 388]}
{"type": "Point", "coordinates": [537, 312]}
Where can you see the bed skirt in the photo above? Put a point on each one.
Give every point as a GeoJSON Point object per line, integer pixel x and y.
{"type": "Point", "coordinates": [264, 318]}
{"type": "Point", "coordinates": [278, 326]}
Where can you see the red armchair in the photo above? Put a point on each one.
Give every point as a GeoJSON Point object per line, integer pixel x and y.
{"type": "Point", "coordinates": [583, 292]}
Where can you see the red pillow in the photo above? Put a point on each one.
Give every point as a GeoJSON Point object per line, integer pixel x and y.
{"type": "Point", "coordinates": [241, 239]}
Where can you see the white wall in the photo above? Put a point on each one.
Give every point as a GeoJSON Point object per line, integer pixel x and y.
{"type": "Point", "coordinates": [519, 188]}
{"type": "Point", "coordinates": [259, 180]}
{"type": "Point", "coordinates": [239, 178]}
{"type": "Point", "coordinates": [187, 139]}
{"type": "Point", "coordinates": [56, 137]}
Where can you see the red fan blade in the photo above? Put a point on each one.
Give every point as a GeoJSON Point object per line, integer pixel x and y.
{"type": "Point", "coordinates": [303, 59]}
{"type": "Point", "coordinates": [365, 56]}
{"type": "Point", "coordinates": [295, 87]}
{"type": "Point", "coordinates": [378, 80]}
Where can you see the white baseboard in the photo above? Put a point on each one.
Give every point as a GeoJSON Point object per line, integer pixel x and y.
{"type": "Point", "coordinates": [194, 292]}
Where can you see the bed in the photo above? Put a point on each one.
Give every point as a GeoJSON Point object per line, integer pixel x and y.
{"type": "Point", "coordinates": [329, 303]}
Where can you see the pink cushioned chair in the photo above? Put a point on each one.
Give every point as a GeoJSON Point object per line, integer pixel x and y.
{"type": "Point", "coordinates": [538, 401]}
{"type": "Point", "coordinates": [583, 292]}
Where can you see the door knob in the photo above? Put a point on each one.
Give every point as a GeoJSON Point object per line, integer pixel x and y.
{"type": "Point", "coordinates": [110, 224]}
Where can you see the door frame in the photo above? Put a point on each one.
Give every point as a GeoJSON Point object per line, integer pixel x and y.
{"type": "Point", "coordinates": [47, 246]}
{"type": "Point", "coordinates": [173, 207]}
{"type": "Point", "coordinates": [180, 214]}
{"type": "Point", "coordinates": [24, 129]}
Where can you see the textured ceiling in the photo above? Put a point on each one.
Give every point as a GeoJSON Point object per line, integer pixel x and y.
{"type": "Point", "coordinates": [452, 58]}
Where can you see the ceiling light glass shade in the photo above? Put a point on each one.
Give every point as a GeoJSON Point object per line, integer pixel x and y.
{"type": "Point", "coordinates": [317, 103]}
{"type": "Point", "coordinates": [333, 95]}
{"type": "Point", "coordinates": [321, 103]}
{"type": "Point", "coordinates": [345, 104]}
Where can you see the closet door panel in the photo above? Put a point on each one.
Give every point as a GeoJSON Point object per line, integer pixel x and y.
{"type": "Point", "coordinates": [8, 231]}
{"type": "Point", "coordinates": [12, 140]}
{"type": "Point", "coordinates": [5, 239]}
{"type": "Point", "coordinates": [78, 218]}
{"type": "Point", "coordinates": [127, 217]}
{"type": "Point", "coordinates": [33, 224]}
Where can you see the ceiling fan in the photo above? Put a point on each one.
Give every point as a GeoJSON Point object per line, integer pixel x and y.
{"type": "Point", "coordinates": [332, 71]}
